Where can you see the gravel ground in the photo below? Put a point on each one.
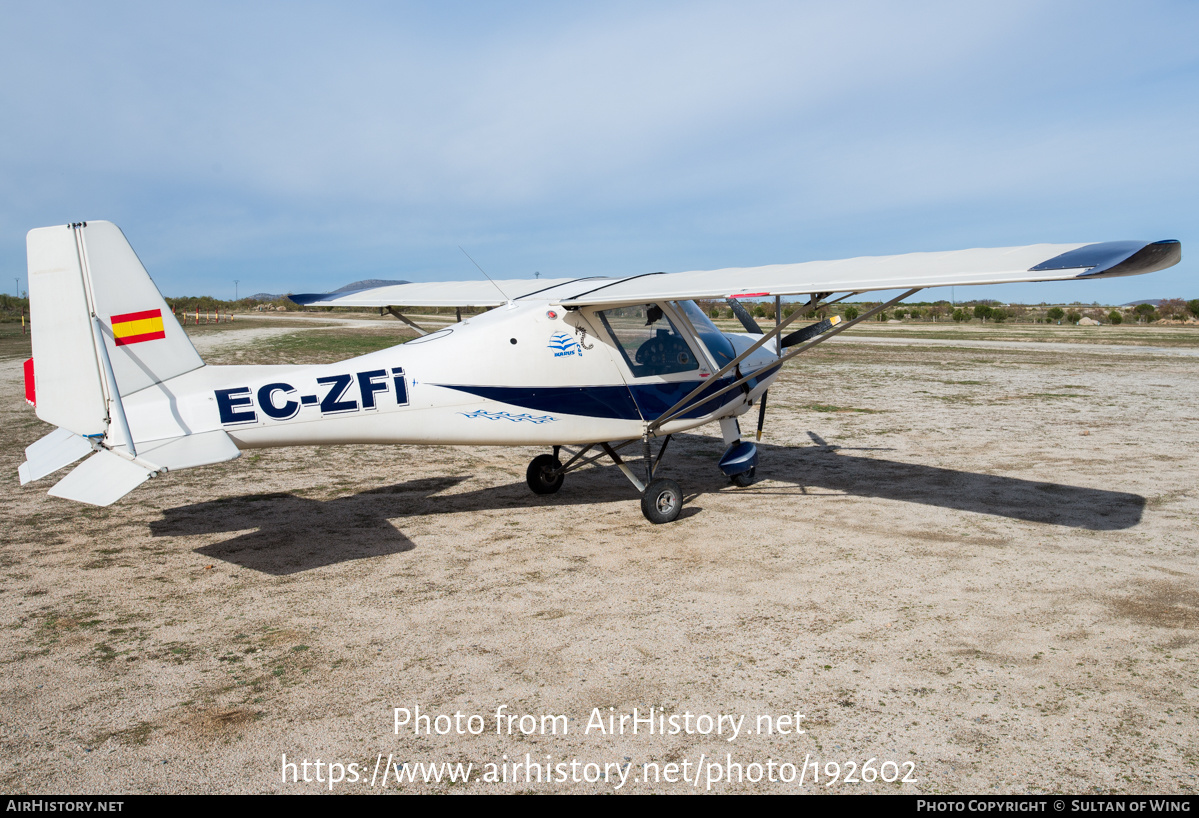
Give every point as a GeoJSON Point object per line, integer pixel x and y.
{"type": "Point", "coordinates": [978, 563]}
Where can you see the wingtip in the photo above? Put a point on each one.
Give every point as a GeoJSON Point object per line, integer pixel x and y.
{"type": "Point", "coordinates": [307, 299]}
{"type": "Point", "coordinates": [1153, 256]}
{"type": "Point", "coordinates": [1110, 259]}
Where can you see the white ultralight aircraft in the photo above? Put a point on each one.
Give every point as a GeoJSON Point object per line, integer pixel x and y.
{"type": "Point", "coordinates": [587, 366]}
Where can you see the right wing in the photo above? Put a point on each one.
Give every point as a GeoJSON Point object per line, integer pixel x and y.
{"type": "Point", "coordinates": [1002, 265]}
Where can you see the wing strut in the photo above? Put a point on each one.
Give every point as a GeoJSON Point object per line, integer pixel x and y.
{"type": "Point", "coordinates": [409, 321]}
{"type": "Point", "coordinates": [686, 403]}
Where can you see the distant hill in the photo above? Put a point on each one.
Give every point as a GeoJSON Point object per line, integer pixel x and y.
{"type": "Point", "coordinates": [367, 283]}
{"type": "Point", "coordinates": [1157, 302]}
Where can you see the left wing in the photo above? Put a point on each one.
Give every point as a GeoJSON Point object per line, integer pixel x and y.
{"type": "Point", "coordinates": [999, 265]}
{"type": "Point", "coordinates": [435, 294]}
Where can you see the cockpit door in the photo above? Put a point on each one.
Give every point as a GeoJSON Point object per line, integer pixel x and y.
{"type": "Point", "coordinates": [658, 353]}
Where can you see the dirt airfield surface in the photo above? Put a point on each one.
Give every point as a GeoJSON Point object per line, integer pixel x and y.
{"type": "Point", "coordinates": [973, 559]}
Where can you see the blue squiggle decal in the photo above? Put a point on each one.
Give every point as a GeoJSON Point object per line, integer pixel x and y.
{"type": "Point", "coordinates": [479, 413]}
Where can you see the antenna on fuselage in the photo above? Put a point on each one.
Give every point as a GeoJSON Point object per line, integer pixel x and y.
{"type": "Point", "coordinates": [484, 272]}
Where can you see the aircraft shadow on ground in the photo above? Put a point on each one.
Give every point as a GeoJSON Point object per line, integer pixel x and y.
{"type": "Point", "coordinates": [828, 468]}
{"type": "Point", "coordinates": [293, 534]}
{"type": "Point", "coordinates": [289, 534]}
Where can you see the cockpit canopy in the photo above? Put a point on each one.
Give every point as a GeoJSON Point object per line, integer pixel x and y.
{"type": "Point", "coordinates": [651, 343]}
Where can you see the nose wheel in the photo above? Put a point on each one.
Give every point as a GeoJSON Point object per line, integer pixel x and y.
{"type": "Point", "coordinates": [740, 462]}
{"type": "Point", "coordinates": [744, 479]}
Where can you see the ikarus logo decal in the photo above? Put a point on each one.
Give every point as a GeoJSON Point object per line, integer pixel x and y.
{"type": "Point", "coordinates": [563, 345]}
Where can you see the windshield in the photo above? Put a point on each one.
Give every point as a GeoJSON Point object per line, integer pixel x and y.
{"type": "Point", "coordinates": [720, 347]}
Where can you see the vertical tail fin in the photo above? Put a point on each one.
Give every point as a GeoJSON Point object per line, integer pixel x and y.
{"type": "Point", "coordinates": [80, 274]}
{"type": "Point", "coordinates": [102, 331]}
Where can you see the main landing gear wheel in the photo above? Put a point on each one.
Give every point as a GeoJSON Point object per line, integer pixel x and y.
{"type": "Point", "coordinates": [745, 478]}
{"type": "Point", "coordinates": [662, 501]}
{"type": "Point", "coordinates": [540, 474]}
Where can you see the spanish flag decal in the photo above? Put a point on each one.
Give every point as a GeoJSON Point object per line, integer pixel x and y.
{"type": "Point", "coordinates": [135, 327]}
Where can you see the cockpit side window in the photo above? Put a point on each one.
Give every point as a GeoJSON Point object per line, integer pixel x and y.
{"type": "Point", "coordinates": [649, 342]}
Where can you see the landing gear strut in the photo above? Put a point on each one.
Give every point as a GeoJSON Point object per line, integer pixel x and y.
{"type": "Point", "coordinates": [661, 499]}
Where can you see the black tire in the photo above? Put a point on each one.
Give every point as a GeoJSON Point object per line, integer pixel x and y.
{"type": "Point", "coordinates": [745, 478]}
{"type": "Point", "coordinates": [538, 474]}
{"type": "Point", "coordinates": [662, 501]}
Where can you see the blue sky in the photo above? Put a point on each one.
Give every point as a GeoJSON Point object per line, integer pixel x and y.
{"type": "Point", "coordinates": [298, 147]}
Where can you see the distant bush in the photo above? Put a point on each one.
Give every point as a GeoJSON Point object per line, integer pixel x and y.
{"type": "Point", "coordinates": [960, 315]}
{"type": "Point", "coordinates": [1146, 311]}
{"type": "Point", "coordinates": [1114, 317]}
{"type": "Point", "coordinates": [851, 313]}
{"type": "Point", "coordinates": [1193, 307]}
{"type": "Point", "coordinates": [1174, 308]}
{"type": "Point", "coordinates": [982, 311]}
{"type": "Point", "coordinates": [1073, 317]}
{"type": "Point", "coordinates": [998, 315]}
{"type": "Point", "coordinates": [12, 308]}
{"type": "Point", "coordinates": [206, 303]}
{"type": "Point", "coordinates": [1056, 314]}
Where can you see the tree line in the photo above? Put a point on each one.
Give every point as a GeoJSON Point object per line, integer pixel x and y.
{"type": "Point", "coordinates": [984, 311]}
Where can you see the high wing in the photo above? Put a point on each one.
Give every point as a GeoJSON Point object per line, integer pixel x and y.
{"type": "Point", "coordinates": [437, 293]}
{"type": "Point", "coordinates": [1000, 265]}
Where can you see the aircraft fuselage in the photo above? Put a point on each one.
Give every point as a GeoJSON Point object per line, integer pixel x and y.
{"type": "Point", "coordinates": [522, 374]}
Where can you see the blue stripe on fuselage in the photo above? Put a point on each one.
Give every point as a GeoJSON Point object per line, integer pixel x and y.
{"type": "Point", "coordinates": [617, 402]}
{"type": "Point", "coordinates": [589, 401]}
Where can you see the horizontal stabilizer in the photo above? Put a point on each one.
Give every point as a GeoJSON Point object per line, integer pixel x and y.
{"type": "Point", "coordinates": [200, 449]}
{"type": "Point", "coordinates": [101, 480]}
{"type": "Point", "coordinates": [56, 450]}
{"type": "Point", "coordinates": [107, 477]}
